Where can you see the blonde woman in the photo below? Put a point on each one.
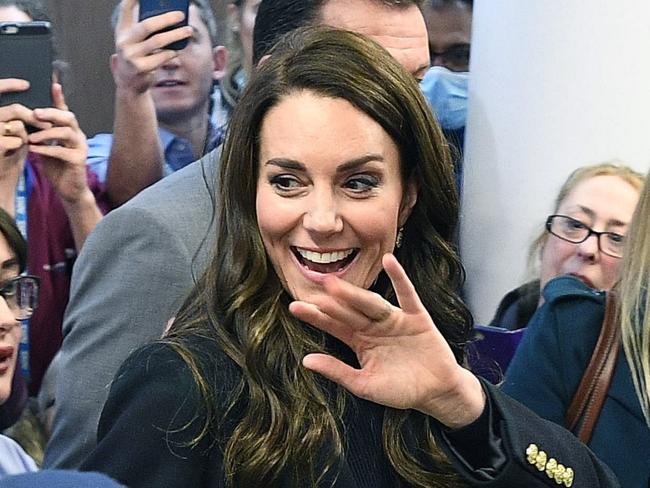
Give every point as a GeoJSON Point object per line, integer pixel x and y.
{"type": "Point", "coordinates": [553, 355]}
{"type": "Point", "coordinates": [601, 197]}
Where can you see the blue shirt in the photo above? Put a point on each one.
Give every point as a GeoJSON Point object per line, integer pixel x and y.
{"type": "Point", "coordinates": [177, 151]}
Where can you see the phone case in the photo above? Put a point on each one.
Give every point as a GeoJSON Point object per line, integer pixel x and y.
{"type": "Point", "coordinates": [150, 8]}
{"type": "Point", "coordinates": [26, 52]}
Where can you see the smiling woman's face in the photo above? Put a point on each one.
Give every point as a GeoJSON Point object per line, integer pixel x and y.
{"type": "Point", "coordinates": [330, 196]}
{"type": "Point", "coordinates": [9, 327]}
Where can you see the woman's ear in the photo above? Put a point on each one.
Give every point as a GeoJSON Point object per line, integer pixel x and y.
{"type": "Point", "coordinates": [409, 199]}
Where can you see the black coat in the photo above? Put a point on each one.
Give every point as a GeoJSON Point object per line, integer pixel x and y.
{"type": "Point", "coordinates": [154, 394]}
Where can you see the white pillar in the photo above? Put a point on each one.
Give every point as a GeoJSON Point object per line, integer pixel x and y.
{"type": "Point", "coordinates": [555, 84]}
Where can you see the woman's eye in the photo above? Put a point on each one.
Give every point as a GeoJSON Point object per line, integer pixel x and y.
{"type": "Point", "coordinates": [576, 224]}
{"type": "Point", "coordinates": [616, 238]}
{"type": "Point", "coordinates": [362, 183]}
{"type": "Point", "coordinates": [9, 289]}
{"type": "Point", "coordinates": [284, 182]}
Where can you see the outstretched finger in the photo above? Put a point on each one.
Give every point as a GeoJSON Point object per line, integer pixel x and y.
{"type": "Point", "coordinates": [126, 15]}
{"type": "Point", "coordinates": [311, 314]}
{"type": "Point", "coordinates": [367, 303]}
{"type": "Point", "coordinates": [406, 294]}
{"type": "Point", "coordinates": [333, 369]}
{"type": "Point", "coordinates": [58, 98]}
{"type": "Point", "coordinates": [8, 85]}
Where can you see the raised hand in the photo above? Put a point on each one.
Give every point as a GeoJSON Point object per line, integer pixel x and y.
{"type": "Point", "coordinates": [405, 361]}
{"type": "Point", "coordinates": [13, 120]}
{"type": "Point", "coordinates": [63, 149]}
{"type": "Point", "coordinates": [139, 52]}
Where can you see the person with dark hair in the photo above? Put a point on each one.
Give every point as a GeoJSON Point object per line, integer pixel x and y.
{"type": "Point", "coordinates": [19, 293]}
{"type": "Point", "coordinates": [241, 19]}
{"type": "Point", "coordinates": [147, 254]}
{"type": "Point", "coordinates": [445, 85]}
{"type": "Point", "coordinates": [333, 257]}
{"type": "Point", "coordinates": [46, 186]}
{"type": "Point", "coordinates": [162, 98]}
{"type": "Point", "coordinates": [396, 24]}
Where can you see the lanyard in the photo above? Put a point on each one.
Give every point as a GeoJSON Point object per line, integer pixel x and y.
{"type": "Point", "coordinates": [21, 222]}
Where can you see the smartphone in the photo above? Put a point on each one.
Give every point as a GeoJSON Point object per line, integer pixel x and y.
{"type": "Point", "coordinates": [150, 8]}
{"type": "Point", "coordinates": [26, 52]}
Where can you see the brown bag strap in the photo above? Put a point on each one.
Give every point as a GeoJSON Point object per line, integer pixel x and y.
{"type": "Point", "coordinates": [588, 400]}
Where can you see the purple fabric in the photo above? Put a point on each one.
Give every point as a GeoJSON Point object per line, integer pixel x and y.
{"type": "Point", "coordinates": [491, 351]}
{"type": "Point", "coordinates": [51, 254]}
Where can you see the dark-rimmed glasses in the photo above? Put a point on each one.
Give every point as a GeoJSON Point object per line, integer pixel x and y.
{"type": "Point", "coordinates": [21, 295]}
{"type": "Point", "coordinates": [572, 230]}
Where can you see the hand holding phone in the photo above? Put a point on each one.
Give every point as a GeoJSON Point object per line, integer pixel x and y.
{"type": "Point", "coordinates": [62, 148]}
{"type": "Point", "coordinates": [15, 119]}
{"type": "Point", "coordinates": [152, 8]}
{"type": "Point", "coordinates": [140, 47]}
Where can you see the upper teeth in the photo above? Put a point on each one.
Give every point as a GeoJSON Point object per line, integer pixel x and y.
{"type": "Point", "coordinates": [325, 257]}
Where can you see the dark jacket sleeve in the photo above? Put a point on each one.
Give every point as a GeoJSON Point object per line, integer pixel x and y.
{"type": "Point", "coordinates": [521, 445]}
{"type": "Point", "coordinates": [148, 422]}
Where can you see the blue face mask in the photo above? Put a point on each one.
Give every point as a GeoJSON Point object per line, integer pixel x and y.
{"type": "Point", "coordinates": [446, 92]}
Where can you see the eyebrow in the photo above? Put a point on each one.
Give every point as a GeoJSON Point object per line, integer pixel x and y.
{"type": "Point", "coordinates": [350, 165]}
{"type": "Point", "coordinates": [610, 222]}
{"type": "Point", "coordinates": [9, 264]}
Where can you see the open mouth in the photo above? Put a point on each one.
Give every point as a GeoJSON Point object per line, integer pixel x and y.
{"type": "Point", "coordinates": [325, 262]}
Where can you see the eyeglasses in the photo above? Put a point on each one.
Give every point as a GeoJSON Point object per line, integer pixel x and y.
{"type": "Point", "coordinates": [21, 295]}
{"type": "Point", "coordinates": [572, 230]}
{"type": "Point", "coordinates": [456, 58]}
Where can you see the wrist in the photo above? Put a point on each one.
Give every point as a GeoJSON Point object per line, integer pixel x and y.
{"type": "Point", "coordinates": [130, 93]}
{"type": "Point", "coordinates": [462, 404]}
{"type": "Point", "coordinates": [79, 202]}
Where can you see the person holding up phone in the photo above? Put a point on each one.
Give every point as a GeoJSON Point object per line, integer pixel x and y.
{"type": "Point", "coordinates": [162, 98]}
{"type": "Point", "coordinates": [46, 187]}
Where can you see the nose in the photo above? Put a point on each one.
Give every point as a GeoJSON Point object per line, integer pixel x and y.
{"type": "Point", "coordinates": [172, 64]}
{"type": "Point", "coordinates": [322, 215]}
{"type": "Point", "coordinates": [7, 318]}
{"type": "Point", "coordinates": [589, 248]}
{"type": "Point", "coordinates": [437, 60]}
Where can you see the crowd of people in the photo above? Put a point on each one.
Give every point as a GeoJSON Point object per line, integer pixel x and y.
{"type": "Point", "coordinates": [253, 280]}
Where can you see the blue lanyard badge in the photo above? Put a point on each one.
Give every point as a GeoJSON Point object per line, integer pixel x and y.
{"type": "Point", "coordinates": [21, 222]}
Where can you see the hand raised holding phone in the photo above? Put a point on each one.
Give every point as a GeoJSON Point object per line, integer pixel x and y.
{"type": "Point", "coordinates": [14, 119]}
{"type": "Point", "coordinates": [62, 148]}
{"type": "Point", "coordinates": [143, 46]}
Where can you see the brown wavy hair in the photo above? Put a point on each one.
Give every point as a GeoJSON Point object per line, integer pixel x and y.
{"type": "Point", "coordinates": [291, 419]}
